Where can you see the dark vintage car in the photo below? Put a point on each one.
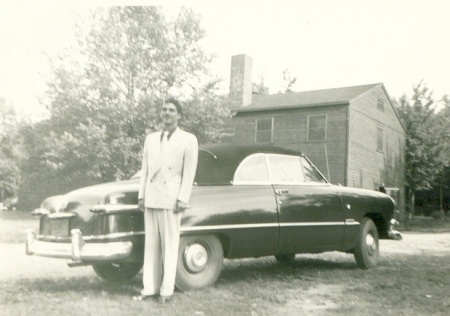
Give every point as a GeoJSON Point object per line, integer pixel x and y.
{"type": "Point", "coordinates": [247, 201]}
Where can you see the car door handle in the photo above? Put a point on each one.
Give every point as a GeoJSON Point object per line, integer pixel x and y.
{"type": "Point", "coordinates": [281, 192]}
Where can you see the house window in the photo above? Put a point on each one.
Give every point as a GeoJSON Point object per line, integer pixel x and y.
{"type": "Point", "coordinates": [380, 137]}
{"type": "Point", "coordinates": [380, 104]}
{"type": "Point", "coordinates": [264, 129]}
{"type": "Point", "coordinates": [317, 128]}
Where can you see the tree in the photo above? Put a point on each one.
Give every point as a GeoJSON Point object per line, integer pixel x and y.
{"type": "Point", "coordinates": [286, 86]}
{"type": "Point", "coordinates": [424, 159]}
{"type": "Point", "coordinates": [9, 152]}
{"type": "Point", "coordinates": [260, 88]}
{"type": "Point", "coordinates": [104, 99]}
{"type": "Point", "coordinates": [288, 82]}
{"type": "Point", "coordinates": [443, 118]}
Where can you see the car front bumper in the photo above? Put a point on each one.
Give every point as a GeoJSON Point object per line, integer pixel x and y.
{"type": "Point", "coordinates": [393, 233]}
{"type": "Point", "coordinates": [78, 250]}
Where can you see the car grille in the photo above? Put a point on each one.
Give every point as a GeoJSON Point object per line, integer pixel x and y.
{"type": "Point", "coordinates": [55, 227]}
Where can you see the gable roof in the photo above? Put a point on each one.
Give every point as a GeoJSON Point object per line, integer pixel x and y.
{"type": "Point", "coordinates": [336, 96]}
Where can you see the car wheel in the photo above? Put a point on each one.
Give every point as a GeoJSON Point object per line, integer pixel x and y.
{"type": "Point", "coordinates": [285, 258]}
{"type": "Point", "coordinates": [367, 249]}
{"type": "Point", "coordinates": [200, 261]}
{"type": "Point", "coordinates": [117, 272]}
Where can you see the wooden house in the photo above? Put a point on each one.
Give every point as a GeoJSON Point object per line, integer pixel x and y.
{"type": "Point", "coordinates": [352, 134]}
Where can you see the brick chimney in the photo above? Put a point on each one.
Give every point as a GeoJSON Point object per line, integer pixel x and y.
{"type": "Point", "coordinates": [241, 80]}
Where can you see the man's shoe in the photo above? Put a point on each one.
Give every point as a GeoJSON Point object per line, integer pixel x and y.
{"type": "Point", "coordinates": [164, 299]}
{"type": "Point", "coordinates": [143, 297]}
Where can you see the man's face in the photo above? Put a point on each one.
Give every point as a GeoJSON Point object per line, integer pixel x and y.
{"type": "Point", "coordinates": [169, 114]}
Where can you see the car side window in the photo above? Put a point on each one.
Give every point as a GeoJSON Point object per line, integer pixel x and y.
{"type": "Point", "coordinates": [252, 170]}
{"type": "Point", "coordinates": [286, 169]}
{"type": "Point", "coordinates": [311, 173]}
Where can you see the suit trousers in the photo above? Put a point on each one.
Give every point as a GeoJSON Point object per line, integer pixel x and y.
{"type": "Point", "coordinates": [162, 238]}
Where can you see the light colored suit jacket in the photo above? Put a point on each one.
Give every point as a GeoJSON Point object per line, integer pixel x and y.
{"type": "Point", "coordinates": [168, 176]}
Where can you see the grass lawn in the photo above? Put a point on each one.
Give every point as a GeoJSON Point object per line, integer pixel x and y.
{"type": "Point", "coordinates": [426, 224]}
{"type": "Point", "coordinates": [413, 278]}
{"type": "Point", "coordinates": [13, 225]}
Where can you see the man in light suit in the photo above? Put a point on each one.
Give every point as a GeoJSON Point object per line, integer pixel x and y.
{"type": "Point", "coordinates": [167, 175]}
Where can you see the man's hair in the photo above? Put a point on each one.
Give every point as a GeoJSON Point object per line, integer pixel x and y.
{"type": "Point", "coordinates": [176, 103]}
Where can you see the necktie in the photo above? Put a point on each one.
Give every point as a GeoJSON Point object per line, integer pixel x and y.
{"type": "Point", "coordinates": [164, 140]}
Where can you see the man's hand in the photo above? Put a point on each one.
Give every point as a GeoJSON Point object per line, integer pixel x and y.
{"type": "Point", "coordinates": [141, 205]}
{"type": "Point", "coordinates": [181, 207]}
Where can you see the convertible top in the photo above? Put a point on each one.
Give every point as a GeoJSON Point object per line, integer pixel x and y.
{"type": "Point", "coordinates": [217, 163]}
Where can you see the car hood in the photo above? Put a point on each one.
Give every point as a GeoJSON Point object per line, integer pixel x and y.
{"type": "Point", "coordinates": [103, 189]}
{"type": "Point", "coordinates": [81, 201]}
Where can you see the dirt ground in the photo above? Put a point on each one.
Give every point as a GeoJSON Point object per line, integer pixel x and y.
{"type": "Point", "coordinates": [324, 298]}
{"type": "Point", "coordinates": [16, 265]}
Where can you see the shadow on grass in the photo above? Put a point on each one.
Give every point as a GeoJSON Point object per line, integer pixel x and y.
{"type": "Point", "coordinates": [269, 269]}
{"type": "Point", "coordinates": [63, 285]}
{"type": "Point", "coordinates": [265, 269]}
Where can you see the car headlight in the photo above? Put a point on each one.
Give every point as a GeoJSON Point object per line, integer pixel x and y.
{"type": "Point", "coordinates": [115, 198]}
{"type": "Point", "coordinates": [53, 204]}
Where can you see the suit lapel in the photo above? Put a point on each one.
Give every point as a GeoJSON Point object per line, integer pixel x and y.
{"type": "Point", "coordinates": [156, 155]}
{"type": "Point", "coordinates": [161, 158]}
{"type": "Point", "coordinates": [173, 144]}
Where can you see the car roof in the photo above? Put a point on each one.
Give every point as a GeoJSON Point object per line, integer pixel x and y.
{"type": "Point", "coordinates": [217, 163]}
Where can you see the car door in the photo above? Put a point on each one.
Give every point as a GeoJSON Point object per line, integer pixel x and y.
{"type": "Point", "coordinates": [244, 213]}
{"type": "Point", "coordinates": [310, 212]}
{"type": "Point", "coordinates": [259, 209]}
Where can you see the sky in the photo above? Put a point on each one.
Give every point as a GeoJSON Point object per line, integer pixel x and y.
{"type": "Point", "coordinates": [323, 43]}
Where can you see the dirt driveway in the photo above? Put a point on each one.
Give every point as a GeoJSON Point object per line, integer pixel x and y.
{"type": "Point", "coordinates": [16, 265]}
{"type": "Point", "coordinates": [412, 279]}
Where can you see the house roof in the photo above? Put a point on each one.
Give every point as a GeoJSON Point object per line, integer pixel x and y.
{"type": "Point", "coordinates": [305, 99]}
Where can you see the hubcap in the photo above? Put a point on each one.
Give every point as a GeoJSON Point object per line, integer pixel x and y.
{"type": "Point", "coordinates": [195, 257]}
{"type": "Point", "coordinates": [371, 244]}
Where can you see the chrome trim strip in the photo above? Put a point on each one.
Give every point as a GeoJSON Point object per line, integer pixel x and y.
{"type": "Point", "coordinates": [53, 238]}
{"type": "Point", "coordinates": [77, 249]}
{"type": "Point", "coordinates": [313, 224]}
{"type": "Point", "coordinates": [40, 211]}
{"type": "Point", "coordinates": [91, 237]}
{"type": "Point", "coordinates": [113, 235]}
{"type": "Point", "coordinates": [235, 226]}
{"type": "Point", "coordinates": [199, 228]}
{"type": "Point", "coordinates": [114, 208]}
{"type": "Point", "coordinates": [351, 221]}
{"type": "Point", "coordinates": [264, 225]}
{"type": "Point", "coordinates": [61, 215]}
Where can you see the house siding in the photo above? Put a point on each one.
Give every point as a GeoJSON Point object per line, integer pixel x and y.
{"type": "Point", "coordinates": [349, 153]}
{"type": "Point", "coordinates": [290, 131]}
{"type": "Point", "coordinates": [367, 167]}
